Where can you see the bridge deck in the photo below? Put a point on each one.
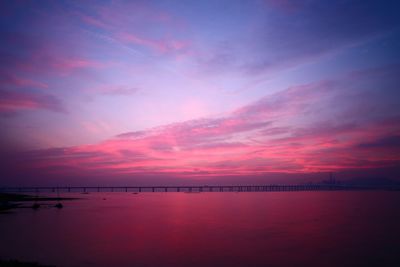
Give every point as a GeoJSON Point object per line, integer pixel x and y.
{"type": "Point", "coordinates": [205, 188]}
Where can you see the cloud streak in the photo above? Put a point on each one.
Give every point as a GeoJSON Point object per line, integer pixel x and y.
{"type": "Point", "coordinates": [166, 80]}
{"type": "Point", "coordinates": [11, 102]}
{"type": "Point", "coordinates": [260, 138]}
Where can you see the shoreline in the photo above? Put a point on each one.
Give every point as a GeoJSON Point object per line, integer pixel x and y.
{"type": "Point", "coordinates": [11, 201]}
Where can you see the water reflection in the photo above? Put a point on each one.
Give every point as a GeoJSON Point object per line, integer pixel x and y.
{"type": "Point", "coordinates": [209, 229]}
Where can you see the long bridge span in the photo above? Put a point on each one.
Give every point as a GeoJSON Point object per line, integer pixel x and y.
{"type": "Point", "coordinates": [195, 188]}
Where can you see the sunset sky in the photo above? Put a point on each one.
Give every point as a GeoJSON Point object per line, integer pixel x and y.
{"type": "Point", "coordinates": [108, 92]}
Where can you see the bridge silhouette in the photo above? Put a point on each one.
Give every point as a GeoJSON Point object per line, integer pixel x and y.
{"type": "Point", "coordinates": [196, 188]}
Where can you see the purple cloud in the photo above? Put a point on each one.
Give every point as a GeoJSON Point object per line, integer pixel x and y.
{"type": "Point", "coordinates": [11, 102]}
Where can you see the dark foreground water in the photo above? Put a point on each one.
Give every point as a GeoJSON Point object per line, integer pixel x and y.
{"type": "Point", "coordinates": [209, 229]}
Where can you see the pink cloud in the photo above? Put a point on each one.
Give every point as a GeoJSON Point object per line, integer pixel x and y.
{"type": "Point", "coordinates": [121, 14]}
{"type": "Point", "coordinates": [292, 131]}
{"type": "Point", "coordinates": [160, 46]}
{"type": "Point", "coordinates": [113, 90]}
{"type": "Point", "coordinates": [129, 23]}
{"type": "Point", "coordinates": [13, 80]}
{"type": "Point", "coordinates": [32, 57]}
{"type": "Point", "coordinates": [93, 21]}
{"type": "Point", "coordinates": [69, 64]}
{"type": "Point", "coordinates": [11, 102]}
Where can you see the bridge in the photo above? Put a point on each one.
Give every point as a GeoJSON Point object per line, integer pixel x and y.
{"type": "Point", "coordinates": [195, 188]}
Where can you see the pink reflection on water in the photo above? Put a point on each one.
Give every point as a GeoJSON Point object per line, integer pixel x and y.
{"type": "Point", "coordinates": [209, 229]}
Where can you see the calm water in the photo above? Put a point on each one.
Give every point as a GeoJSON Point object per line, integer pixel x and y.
{"type": "Point", "coordinates": [210, 229]}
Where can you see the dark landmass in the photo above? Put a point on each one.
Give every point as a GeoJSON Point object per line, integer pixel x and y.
{"type": "Point", "coordinates": [10, 201]}
{"type": "Point", "coordinates": [15, 263]}
{"type": "Point", "coordinates": [21, 198]}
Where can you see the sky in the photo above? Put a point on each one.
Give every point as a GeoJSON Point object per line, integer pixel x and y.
{"type": "Point", "coordinates": [145, 92]}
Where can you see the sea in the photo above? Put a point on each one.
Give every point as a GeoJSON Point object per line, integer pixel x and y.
{"type": "Point", "coordinates": [327, 228]}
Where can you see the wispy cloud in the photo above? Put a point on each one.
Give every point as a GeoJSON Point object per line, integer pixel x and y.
{"type": "Point", "coordinates": [12, 80]}
{"type": "Point", "coordinates": [262, 137]}
{"type": "Point", "coordinates": [292, 33]}
{"type": "Point", "coordinates": [11, 102]}
{"type": "Point", "coordinates": [26, 54]}
{"type": "Point", "coordinates": [143, 65]}
{"type": "Point", "coordinates": [127, 24]}
{"type": "Point", "coordinates": [159, 46]}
